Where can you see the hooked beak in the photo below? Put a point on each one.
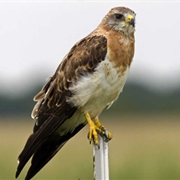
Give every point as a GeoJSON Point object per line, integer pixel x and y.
{"type": "Point", "coordinates": [130, 20]}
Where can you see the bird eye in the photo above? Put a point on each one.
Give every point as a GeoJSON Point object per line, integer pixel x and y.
{"type": "Point", "coordinates": [118, 16]}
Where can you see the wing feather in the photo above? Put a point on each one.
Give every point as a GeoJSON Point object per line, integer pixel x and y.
{"type": "Point", "coordinates": [52, 109]}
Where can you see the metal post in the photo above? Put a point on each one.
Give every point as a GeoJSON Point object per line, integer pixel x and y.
{"type": "Point", "coordinates": [100, 160]}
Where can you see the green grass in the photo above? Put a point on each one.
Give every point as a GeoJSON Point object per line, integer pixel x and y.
{"type": "Point", "coordinates": [146, 149]}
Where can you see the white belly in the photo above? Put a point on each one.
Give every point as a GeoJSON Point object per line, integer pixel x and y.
{"type": "Point", "coordinates": [95, 91]}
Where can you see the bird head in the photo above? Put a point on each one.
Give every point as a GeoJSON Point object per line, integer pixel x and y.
{"type": "Point", "coordinates": [120, 19]}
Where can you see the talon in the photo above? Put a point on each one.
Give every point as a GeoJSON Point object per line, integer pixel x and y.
{"type": "Point", "coordinates": [95, 129]}
{"type": "Point", "coordinates": [108, 136]}
{"type": "Point", "coordinates": [89, 138]}
{"type": "Point", "coordinates": [104, 133]}
{"type": "Point", "coordinates": [93, 135]}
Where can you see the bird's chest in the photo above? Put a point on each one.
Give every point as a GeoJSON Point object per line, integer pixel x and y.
{"type": "Point", "coordinates": [100, 89]}
{"type": "Point", "coordinates": [110, 81]}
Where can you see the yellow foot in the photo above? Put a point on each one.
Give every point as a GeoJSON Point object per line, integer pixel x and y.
{"type": "Point", "coordinates": [95, 129]}
{"type": "Point", "coordinates": [105, 134]}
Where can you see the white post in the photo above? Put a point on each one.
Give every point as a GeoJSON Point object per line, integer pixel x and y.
{"type": "Point", "coordinates": [100, 160]}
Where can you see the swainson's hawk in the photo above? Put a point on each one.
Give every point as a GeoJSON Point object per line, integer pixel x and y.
{"type": "Point", "coordinates": [89, 79]}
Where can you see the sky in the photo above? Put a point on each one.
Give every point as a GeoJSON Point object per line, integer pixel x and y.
{"type": "Point", "coordinates": [36, 35]}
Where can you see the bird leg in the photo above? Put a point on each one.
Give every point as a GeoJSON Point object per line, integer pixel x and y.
{"type": "Point", "coordinates": [92, 129]}
{"type": "Point", "coordinates": [95, 129]}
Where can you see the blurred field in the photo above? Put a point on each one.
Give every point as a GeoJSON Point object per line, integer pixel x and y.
{"type": "Point", "coordinates": [145, 147]}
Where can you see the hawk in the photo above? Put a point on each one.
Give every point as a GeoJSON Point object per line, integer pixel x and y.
{"type": "Point", "coordinates": [89, 79]}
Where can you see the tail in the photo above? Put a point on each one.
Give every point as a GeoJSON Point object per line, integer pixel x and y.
{"type": "Point", "coordinates": [43, 153]}
{"type": "Point", "coordinates": [48, 150]}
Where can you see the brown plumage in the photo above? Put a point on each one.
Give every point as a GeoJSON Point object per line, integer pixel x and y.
{"type": "Point", "coordinates": [95, 65]}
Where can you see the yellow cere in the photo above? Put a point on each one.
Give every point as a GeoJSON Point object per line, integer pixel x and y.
{"type": "Point", "coordinates": [129, 17]}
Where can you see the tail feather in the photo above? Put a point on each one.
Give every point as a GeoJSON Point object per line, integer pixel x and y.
{"type": "Point", "coordinates": [39, 137]}
{"type": "Point", "coordinates": [47, 150]}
